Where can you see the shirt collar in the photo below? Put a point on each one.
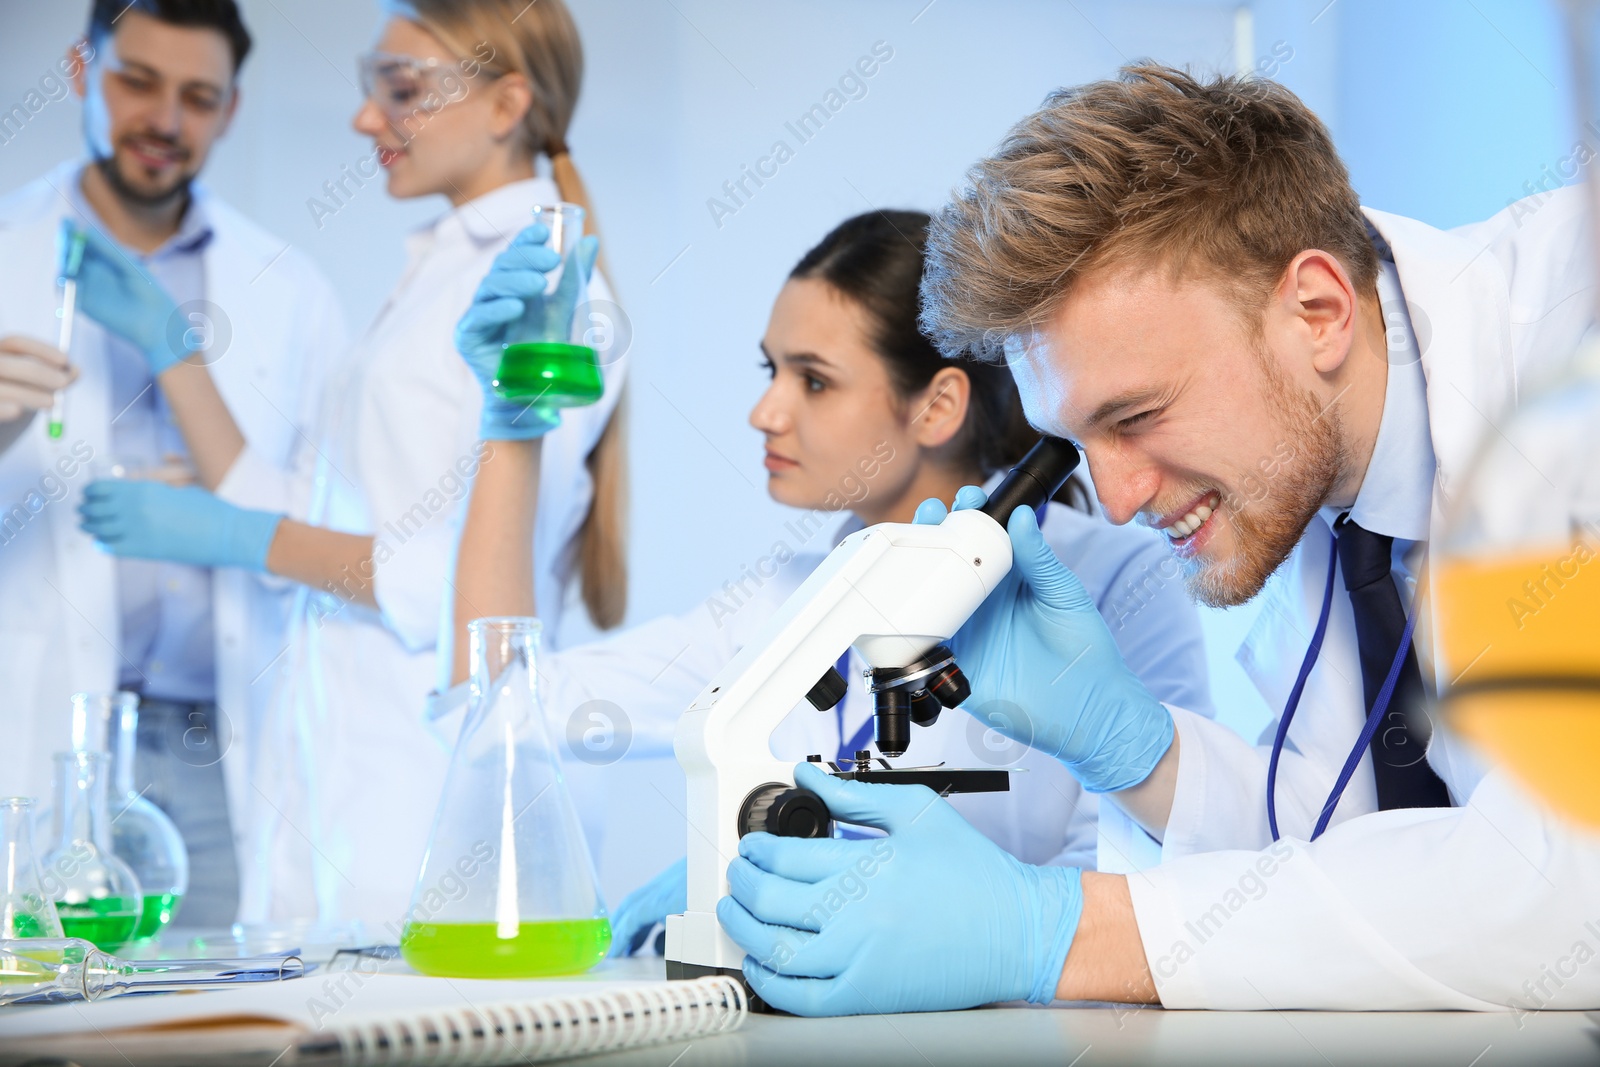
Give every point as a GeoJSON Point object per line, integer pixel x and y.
{"type": "Point", "coordinates": [194, 232]}
{"type": "Point", "coordinates": [1396, 492]}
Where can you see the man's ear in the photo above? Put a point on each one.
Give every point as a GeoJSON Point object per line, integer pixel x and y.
{"type": "Point", "coordinates": [232, 109]}
{"type": "Point", "coordinates": [939, 409]}
{"type": "Point", "coordinates": [79, 55]}
{"type": "Point", "coordinates": [1321, 302]}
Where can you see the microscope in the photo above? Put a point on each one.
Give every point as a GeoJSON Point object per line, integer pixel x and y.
{"type": "Point", "coordinates": [896, 592]}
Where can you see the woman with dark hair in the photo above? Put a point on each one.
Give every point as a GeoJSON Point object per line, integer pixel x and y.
{"type": "Point", "coordinates": [863, 417]}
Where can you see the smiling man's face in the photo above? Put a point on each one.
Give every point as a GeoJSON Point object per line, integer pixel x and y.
{"type": "Point", "coordinates": [156, 98]}
{"type": "Point", "coordinates": [1216, 435]}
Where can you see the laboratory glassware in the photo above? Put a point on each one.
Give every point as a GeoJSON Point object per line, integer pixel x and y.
{"type": "Point", "coordinates": [1516, 569]}
{"type": "Point", "coordinates": [25, 909]}
{"type": "Point", "coordinates": [97, 896]}
{"type": "Point", "coordinates": [73, 240]}
{"type": "Point", "coordinates": [58, 969]}
{"type": "Point", "coordinates": [142, 835]}
{"type": "Point", "coordinates": [544, 360]}
{"type": "Point", "coordinates": [507, 888]}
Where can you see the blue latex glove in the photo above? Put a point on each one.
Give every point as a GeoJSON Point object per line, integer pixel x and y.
{"type": "Point", "coordinates": [1045, 670]}
{"type": "Point", "coordinates": [514, 285]}
{"type": "Point", "coordinates": [933, 917]}
{"type": "Point", "coordinates": [115, 291]}
{"type": "Point", "coordinates": [152, 520]}
{"type": "Point", "coordinates": [665, 894]}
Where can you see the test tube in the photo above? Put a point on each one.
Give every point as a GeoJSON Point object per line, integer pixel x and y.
{"type": "Point", "coordinates": [71, 262]}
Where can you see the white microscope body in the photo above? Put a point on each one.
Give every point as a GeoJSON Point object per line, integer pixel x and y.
{"type": "Point", "coordinates": [893, 592]}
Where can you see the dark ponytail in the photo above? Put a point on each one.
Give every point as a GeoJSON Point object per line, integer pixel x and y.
{"type": "Point", "coordinates": [876, 261]}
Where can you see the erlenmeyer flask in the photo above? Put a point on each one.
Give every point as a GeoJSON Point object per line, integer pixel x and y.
{"type": "Point", "coordinates": [97, 895]}
{"type": "Point", "coordinates": [142, 835]}
{"type": "Point", "coordinates": [507, 887]}
{"type": "Point", "coordinates": [25, 910]}
{"type": "Point", "coordinates": [547, 358]}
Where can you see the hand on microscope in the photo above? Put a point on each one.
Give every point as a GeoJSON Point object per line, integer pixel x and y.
{"type": "Point", "coordinates": [1045, 669]}
{"type": "Point", "coordinates": [934, 917]}
{"type": "Point", "coordinates": [642, 910]}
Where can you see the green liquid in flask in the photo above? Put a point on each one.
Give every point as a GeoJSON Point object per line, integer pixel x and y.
{"type": "Point", "coordinates": [475, 950]}
{"type": "Point", "coordinates": [108, 922]}
{"type": "Point", "coordinates": [159, 908]}
{"type": "Point", "coordinates": [27, 925]}
{"type": "Point", "coordinates": [559, 375]}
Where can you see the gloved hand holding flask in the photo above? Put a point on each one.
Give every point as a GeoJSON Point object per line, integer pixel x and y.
{"type": "Point", "coordinates": [518, 334]}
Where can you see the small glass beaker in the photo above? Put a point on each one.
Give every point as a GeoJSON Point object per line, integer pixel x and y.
{"type": "Point", "coordinates": [97, 896]}
{"type": "Point", "coordinates": [25, 909]}
{"type": "Point", "coordinates": [142, 835]}
{"type": "Point", "coordinates": [507, 887]}
{"type": "Point", "coordinates": [545, 361]}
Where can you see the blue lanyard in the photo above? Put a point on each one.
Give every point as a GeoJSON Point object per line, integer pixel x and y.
{"type": "Point", "coordinates": [1379, 706]}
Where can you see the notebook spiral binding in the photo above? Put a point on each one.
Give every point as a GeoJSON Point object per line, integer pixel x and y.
{"type": "Point", "coordinates": [518, 1032]}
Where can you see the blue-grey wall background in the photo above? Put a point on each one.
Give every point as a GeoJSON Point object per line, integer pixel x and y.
{"type": "Point", "coordinates": [1445, 110]}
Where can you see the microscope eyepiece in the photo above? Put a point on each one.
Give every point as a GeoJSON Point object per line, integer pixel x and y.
{"type": "Point", "coordinates": [1035, 479]}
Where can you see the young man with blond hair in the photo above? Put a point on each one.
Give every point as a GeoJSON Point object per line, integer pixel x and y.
{"type": "Point", "coordinates": [1289, 386]}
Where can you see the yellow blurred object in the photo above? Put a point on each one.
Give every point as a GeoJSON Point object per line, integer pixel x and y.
{"type": "Point", "coordinates": [1522, 637]}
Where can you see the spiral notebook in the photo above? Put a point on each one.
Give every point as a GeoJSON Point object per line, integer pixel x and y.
{"type": "Point", "coordinates": [350, 1018]}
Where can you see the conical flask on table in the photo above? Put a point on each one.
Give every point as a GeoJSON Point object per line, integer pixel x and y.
{"type": "Point", "coordinates": [507, 887]}
{"type": "Point", "coordinates": [142, 835]}
{"type": "Point", "coordinates": [25, 909]}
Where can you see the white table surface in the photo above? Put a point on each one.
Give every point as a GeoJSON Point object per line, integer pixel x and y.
{"type": "Point", "coordinates": [1066, 1036]}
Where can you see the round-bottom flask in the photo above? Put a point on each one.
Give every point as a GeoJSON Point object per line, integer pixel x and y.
{"type": "Point", "coordinates": [97, 895]}
{"type": "Point", "coordinates": [142, 835]}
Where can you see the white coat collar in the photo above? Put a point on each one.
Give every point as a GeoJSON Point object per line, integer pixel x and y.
{"type": "Point", "coordinates": [1396, 492]}
{"type": "Point", "coordinates": [496, 216]}
{"type": "Point", "coordinates": [1458, 300]}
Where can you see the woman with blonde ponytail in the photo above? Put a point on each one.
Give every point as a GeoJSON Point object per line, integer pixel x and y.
{"type": "Point", "coordinates": [469, 100]}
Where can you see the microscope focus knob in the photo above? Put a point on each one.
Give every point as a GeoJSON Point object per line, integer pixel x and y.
{"type": "Point", "coordinates": [785, 811]}
{"type": "Point", "coordinates": [828, 691]}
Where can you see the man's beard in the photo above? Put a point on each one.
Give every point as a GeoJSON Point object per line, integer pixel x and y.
{"type": "Point", "coordinates": [1267, 529]}
{"type": "Point", "coordinates": [131, 194]}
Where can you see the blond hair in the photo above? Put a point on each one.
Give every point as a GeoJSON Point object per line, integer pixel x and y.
{"type": "Point", "coordinates": [540, 42]}
{"type": "Point", "coordinates": [1226, 180]}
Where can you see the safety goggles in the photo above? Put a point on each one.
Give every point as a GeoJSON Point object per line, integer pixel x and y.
{"type": "Point", "coordinates": [402, 85]}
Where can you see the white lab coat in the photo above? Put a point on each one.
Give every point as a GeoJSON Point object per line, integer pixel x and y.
{"type": "Point", "coordinates": [59, 618]}
{"type": "Point", "coordinates": [1405, 909]}
{"type": "Point", "coordinates": [352, 774]}
{"type": "Point", "coordinates": [635, 684]}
